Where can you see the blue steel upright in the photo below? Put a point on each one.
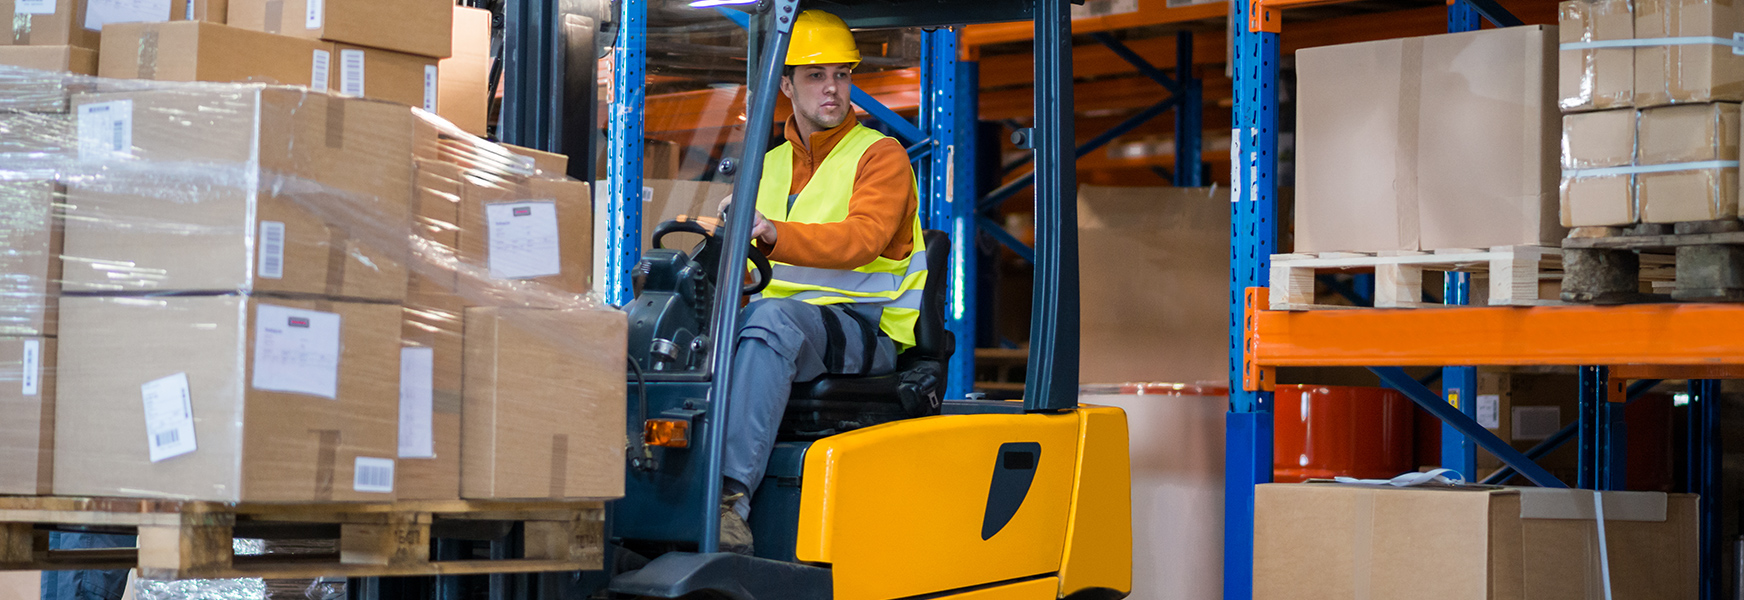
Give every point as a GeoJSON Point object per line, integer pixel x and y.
{"type": "Point", "coordinates": [1253, 240]}
{"type": "Point", "coordinates": [624, 151]}
{"type": "Point", "coordinates": [1705, 478]}
{"type": "Point", "coordinates": [1459, 384]}
{"type": "Point", "coordinates": [1189, 117]}
{"type": "Point", "coordinates": [946, 204]}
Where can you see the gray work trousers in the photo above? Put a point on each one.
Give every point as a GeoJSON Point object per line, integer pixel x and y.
{"type": "Point", "coordinates": [782, 341]}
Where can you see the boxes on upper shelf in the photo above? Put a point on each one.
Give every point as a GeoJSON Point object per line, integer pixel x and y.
{"type": "Point", "coordinates": [1596, 77]}
{"type": "Point", "coordinates": [1597, 187]}
{"type": "Point", "coordinates": [1676, 73]}
{"type": "Point", "coordinates": [245, 399]}
{"type": "Point", "coordinates": [270, 190]}
{"type": "Point", "coordinates": [1694, 149]}
{"type": "Point", "coordinates": [194, 51]}
{"type": "Point", "coordinates": [421, 27]}
{"type": "Point", "coordinates": [27, 410]}
{"type": "Point", "coordinates": [1389, 133]}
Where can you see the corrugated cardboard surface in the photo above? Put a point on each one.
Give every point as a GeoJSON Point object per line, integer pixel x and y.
{"type": "Point", "coordinates": [1688, 134]}
{"type": "Point", "coordinates": [1390, 131]}
{"type": "Point", "coordinates": [336, 172]}
{"type": "Point", "coordinates": [199, 51]}
{"type": "Point", "coordinates": [253, 445]}
{"type": "Point", "coordinates": [1540, 391]}
{"type": "Point", "coordinates": [465, 85]}
{"type": "Point", "coordinates": [30, 231]}
{"type": "Point", "coordinates": [51, 58]}
{"type": "Point", "coordinates": [548, 163]}
{"type": "Point", "coordinates": [42, 92]}
{"type": "Point", "coordinates": [65, 27]}
{"type": "Point", "coordinates": [1178, 238]}
{"type": "Point", "coordinates": [1687, 73]}
{"type": "Point", "coordinates": [434, 321]}
{"type": "Point", "coordinates": [575, 241]}
{"type": "Point", "coordinates": [419, 27]}
{"type": "Point", "coordinates": [1596, 78]}
{"type": "Point", "coordinates": [27, 420]}
{"type": "Point", "coordinates": [1316, 541]}
{"type": "Point", "coordinates": [1595, 140]}
{"type": "Point", "coordinates": [388, 75]}
{"type": "Point", "coordinates": [20, 585]}
{"type": "Point", "coordinates": [544, 410]}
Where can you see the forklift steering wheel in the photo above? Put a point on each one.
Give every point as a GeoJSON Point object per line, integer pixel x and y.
{"type": "Point", "coordinates": [709, 249]}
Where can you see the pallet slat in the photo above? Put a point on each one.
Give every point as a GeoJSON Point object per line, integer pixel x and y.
{"type": "Point", "coordinates": [1514, 273]}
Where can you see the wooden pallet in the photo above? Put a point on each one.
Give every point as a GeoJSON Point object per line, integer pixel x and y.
{"type": "Point", "coordinates": [1605, 262]}
{"type": "Point", "coordinates": [194, 540]}
{"type": "Point", "coordinates": [1514, 273]}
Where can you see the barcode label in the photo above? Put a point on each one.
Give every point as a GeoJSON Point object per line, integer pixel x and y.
{"type": "Point", "coordinates": [34, 7]}
{"type": "Point", "coordinates": [318, 74]}
{"type": "Point", "coordinates": [166, 438]}
{"type": "Point", "coordinates": [272, 250]}
{"type": "Point", "coordinates": [169, 417]}
{"type": "Point", "coordinates": [188, 12]}
{"type": "Point", "coordinates": [430, 88]}
{"type": "Point", "coordinates": [374, 475]}
{"type": "Point", "coordinates": [106, 130]}
{"type": "Point", "coordinates": [317, 14]}
{"type": "Point", "coordinates": [351, 72]}
{"type": "Point", "coordinates": [32, 367]}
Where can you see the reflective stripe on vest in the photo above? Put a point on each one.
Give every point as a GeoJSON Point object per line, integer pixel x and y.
{"type": "Point", "coordinates": [893, 285]}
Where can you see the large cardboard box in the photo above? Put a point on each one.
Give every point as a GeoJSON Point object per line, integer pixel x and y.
{"type": "Point", "coordinates": [529, 230]}
{"type": "Point", "coordinates": [27, 412]}
{"type": "Point", "coordinates": [1390, 132]}
{"type": "Point", "coordinates": [1595, 145]}
{"type": "Point", "coordinates": [245, 399]}
{"type": "Point", "coordinates": [430, 397]}
{"type": "Point", "coordinates": [31, 233]}
{"type": "Point", "coordinates": [20, 585]}
{"type": "Point", "coordinates": [37, 142]}
{"type": "Point", "coordinates": [197, 51]}
{"type": "Point", "coordinates": [1524, 409]}
{"type": "Point", "coordinates": [385, 75]}
{"type": "Point", "coordinates": [48, 91]}
{"type": "Point", "coordinates": [1697, 138]}
{"type": "Point", "coordinates": [543, 415]}
{"type": "Point", "coordinates": [464, 90]}
{"type": "Point", "coordinates": [1602, 77]}
{"type": "Point", "coordinates": [273, 190]}
{"type": "Point", "coordinates": [71, 59]}
{"type": "Point", "coordinates": [1179, 238]}
{"type": "Point", "coordinates": [68, 23]}
{"type": "Point", "coordinates": [1665, 74]}
{"type": "Point", "coordinates": [421, 27]}
{"type": "Point", "coordinates": [1322, 541]}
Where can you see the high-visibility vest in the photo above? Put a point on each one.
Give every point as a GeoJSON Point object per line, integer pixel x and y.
{"type": "Point", "coordinates": [893, 285]}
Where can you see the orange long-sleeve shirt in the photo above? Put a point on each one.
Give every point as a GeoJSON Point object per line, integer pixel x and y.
{"type": "Point", "coordinates": [880, 212]}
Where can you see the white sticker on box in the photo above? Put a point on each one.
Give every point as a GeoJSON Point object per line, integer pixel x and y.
{"type": "Point", "coordinates": [103, 12]}
{"type": "Point", "coordinates": [417, 402]}
{"type": "Point", "coordinates": [317, 14]}
{"type": "Point", "coordinates": [31, 374]}
{"type": "Point", "coordinates": [318, 74]}
{"type": "Point", "coordinates": [296, 351]}
{"type": "Point", "coordinates": [33, 7]}
{"type": "Point", "coordinates": [647, 194]}
{"type": "Point", "coordinates": [272, 250]}
{"type": "Point", "coordinates": [188, 10]}
{"type": "Point", "coordinates": [1490, 411]}
{"type": "Point", "coordinates": [106, 130]}
{"type": "Point", "coordinates": [351, 72]}
{"type": "Point", "coordinates": [169, 417]}
{"type": "Point", "coordinates": [430, 88]}
{"type": "Point", "coordinates": [523, 239]}
{"type": "Point", "coordinates": [373, 475]}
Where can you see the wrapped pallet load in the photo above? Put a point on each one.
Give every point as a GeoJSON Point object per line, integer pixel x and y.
{"type": "Point", "coordinates": [241, 292]}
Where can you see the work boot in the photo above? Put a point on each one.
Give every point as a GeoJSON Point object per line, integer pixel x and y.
{"type": "Point", "coordinates": [735, 534]}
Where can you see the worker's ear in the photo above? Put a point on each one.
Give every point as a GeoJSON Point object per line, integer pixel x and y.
{"type": "Point", "coordinates": [787, 86]}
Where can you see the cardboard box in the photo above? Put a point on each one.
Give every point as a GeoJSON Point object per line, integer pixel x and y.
{"type": "Point", "coordinates": [550, 164]}
{"type": "Point", "coordinates": [334, 181]}
{"type": "Point", "coordinates": [1598, 140]}
{"type": "Point", "coordinates": [1177, 237]}
{"type": "Point", "coordinates": [421, 27]}
{"type": "Point", "coordinates": [1321, 541]}
{"type": "Point", "coordinates": [1390, 132]}
{"type": "Point", "coordinates": [20, 585]}
{"type": "Point", "coordinates": [252, 399]}
{"type": "Point", "coordinates": [464, 88]}
{"type": "Point", "coordinates": [70, 59]}
{"type": "Point", "coordinates": [430, 398]}
{"type": "Point", "coordinates": [1687, 73]}
{"type": "Point", "coordinates": [535, 230]}
{"type": "Point", "coordinates": [1695, 135]}
{"type": "Point", "coordinates": [27, 413]}
{"type": "Point", "coordinates": [1524, 409]}
{"type": "Point", "coordinates": [48, 91]}
{"type": "Point", "coordinates": [70, 24]}
{"type": "Point", "coordinates": [40, 142]}
{"type": "Point", "coordinates": [543, 415]}
{"type": "Point", "coordinates": [1596, 78]}
{"type": "Point", "coordinates": [31, 233]}
{"type": "Point", "coordinates": [385, 75]}
{"type": "Point", "coordinates": [197, 51]}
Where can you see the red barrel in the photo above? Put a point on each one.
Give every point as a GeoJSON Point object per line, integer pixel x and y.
{"type": "Point", "coordinates": [1322, 431]}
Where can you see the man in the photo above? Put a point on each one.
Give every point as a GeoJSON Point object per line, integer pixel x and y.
{"type": "Point", "coordinates": [836, 216]}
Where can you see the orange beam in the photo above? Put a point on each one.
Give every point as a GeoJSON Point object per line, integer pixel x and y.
{"type": "Point", "coordinates": [1646, 334]}
{"type": "Point", "coordinates": [1150, 12]}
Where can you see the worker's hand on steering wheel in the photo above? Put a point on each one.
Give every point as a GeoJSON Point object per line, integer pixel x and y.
{"type": "Point", "coordinates": [761, 229]}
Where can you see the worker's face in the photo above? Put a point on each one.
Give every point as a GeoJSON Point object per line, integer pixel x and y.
{"type": "Point", "coordinates": [820, 93]}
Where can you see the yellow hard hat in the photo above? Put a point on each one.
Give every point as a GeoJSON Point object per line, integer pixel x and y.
{"type": "Point", "coordinates": [820, 38]}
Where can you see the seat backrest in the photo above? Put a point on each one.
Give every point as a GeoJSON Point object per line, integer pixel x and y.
{"type": "Point", "coordinates": [931, 339]}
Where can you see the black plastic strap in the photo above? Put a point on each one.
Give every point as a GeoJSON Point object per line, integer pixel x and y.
{"type": "Point", "coordinates": [835, 341]}
{"type": "Point", "coordinates": [869, 333]}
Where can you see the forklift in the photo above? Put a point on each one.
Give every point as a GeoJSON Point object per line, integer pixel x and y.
{"type": "Point", "coordinates": [877, 488]}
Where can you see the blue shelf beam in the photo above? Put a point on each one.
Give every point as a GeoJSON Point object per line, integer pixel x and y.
{"type": "Point", "coordinates": [1005, 192]}
{"type": "Point", "coordinates": [1396, 378]}
{"type": "Point", "coordinates": [1491, 10]}
{"type": "Point", "coordinates": [624, 151]}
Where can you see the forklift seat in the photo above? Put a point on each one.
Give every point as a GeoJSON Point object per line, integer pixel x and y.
{"type": "Point", "coordinates": [834, 404]}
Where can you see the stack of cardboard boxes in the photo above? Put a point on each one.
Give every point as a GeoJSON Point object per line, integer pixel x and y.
{"type": "Point", "coordinates": [1650, 92]}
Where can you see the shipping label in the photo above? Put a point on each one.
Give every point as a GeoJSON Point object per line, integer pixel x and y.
{"type": "Point", "coordinates": [296, 351]}
{"type": "Point", "coordinates": [417, 402]}
{"type": "Point", "coordinates": [106, 130]}
{"type": "Point", "coordinates": [33, 7]}
{"type": "Point", "coordinates": [523, 239]}
{"type": "Point", "coordinates": [430, 77]}
{"type": "Point", "coordinates": [316, 14]}
{"type": "Point", "coordinates": [374, 475]}
{"type": "Point", "coordinates": [319, 73]}
{"type": "Point", "coordinates": [351, 72]}
{"type": "Point", "coordinates": [272, 250]}
{"type": "Point", "coordinates": [30, 376]}
{"type": "Point", "coordinates": [169, 417]}
{"type": "Point", "coordinates": [1490, 411]}
{"type": "Point", "coordinates": [103, 12]}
